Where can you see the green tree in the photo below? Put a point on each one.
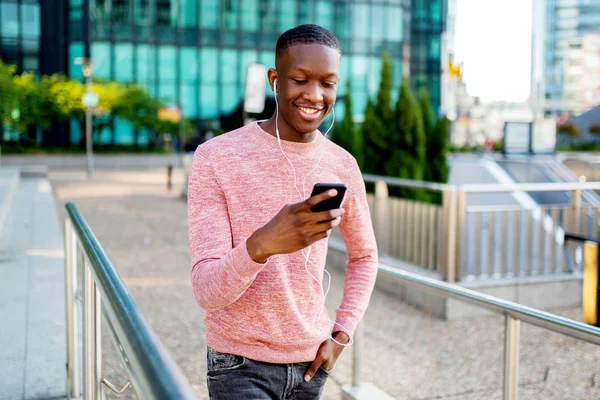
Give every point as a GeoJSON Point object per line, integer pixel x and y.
{"type": "Point", "coordinates": [345, 133]}
{"type": "Point", "coordinates": [407, 142]}
{"type": "Point", "coordinates": [33, 107]}
{"type": "Point", "coordinates": [7, 91]}
{"type": "Point", "coordinates": [429, 122]}
{"type": "Point", "coordinates": [376, 125]}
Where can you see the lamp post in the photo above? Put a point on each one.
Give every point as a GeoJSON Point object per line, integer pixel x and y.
{"type": "Point", "coordinates": [90, 100]}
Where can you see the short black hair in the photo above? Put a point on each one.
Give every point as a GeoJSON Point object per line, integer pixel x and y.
{"type": "Point", "coordinates": [306, 34]}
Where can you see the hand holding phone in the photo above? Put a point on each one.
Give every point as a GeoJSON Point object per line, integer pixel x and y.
{"type": "Point", "coordinates": [332, 203]}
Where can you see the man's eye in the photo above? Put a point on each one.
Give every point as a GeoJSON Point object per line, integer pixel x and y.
{"type": "Point", "coordinates": [299, 80]}
{"type": "Point", "coordinates": [329, 84]}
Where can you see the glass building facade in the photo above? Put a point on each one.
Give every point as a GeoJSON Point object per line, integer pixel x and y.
{"type": "Point", "coordinates": [567, 21]}
{"type": "Point", "coordinates": [195, 52]}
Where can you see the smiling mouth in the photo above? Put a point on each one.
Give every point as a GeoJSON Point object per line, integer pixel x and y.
{"type": "Point", "coordinates": [309, 111]}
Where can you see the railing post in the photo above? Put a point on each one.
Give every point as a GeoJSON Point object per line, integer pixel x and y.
{"type": "Point", "coordinates": [73, 382]}
{"type": "Point", "coordinates": [91, 335]}
{"type": "Point", "coordinates": [576, 203]}
{"type": "Point", "coordinates": [512, 328]}
{"type": "Point", "coordinates": [357, 354]}
{"type": "Point", "coordinates": [381, 217]}
{"type": "Point", "coordinates": [447, 253]}
{"type": "Point", "coordinates": [461, 205]}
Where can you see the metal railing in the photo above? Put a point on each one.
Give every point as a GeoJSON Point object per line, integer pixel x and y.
{"type": "Point", "coordinates": [152, 372]}
{"type": "Point", "coordinates": [514, 313]}
{"type": "Point", "coordinates": [460, 242]}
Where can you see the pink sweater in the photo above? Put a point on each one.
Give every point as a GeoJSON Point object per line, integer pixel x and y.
{"type": "Point", "coordinates": [268, 312]}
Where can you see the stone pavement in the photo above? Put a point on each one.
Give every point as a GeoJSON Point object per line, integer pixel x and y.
{"type": "Point", "coordinates": [32, 322]}
{"type": "Point", "coordinates": [409, 354]}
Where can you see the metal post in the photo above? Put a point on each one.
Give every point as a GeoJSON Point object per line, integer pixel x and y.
{"type": "Point", "coordinates": [92, 355]}
{"type": "Point", "coordinates": [73, 383]}
{"type": "Point", "coordinates": [87, 72]}
{"type": "Point", "coordinates": [512, 328]}
{"type": "Point", "coordinates": [576, 202]}
{"type": "Point", "coordinates": [447, 257]}
{"type": "Point", "coordinates": [357, 354]}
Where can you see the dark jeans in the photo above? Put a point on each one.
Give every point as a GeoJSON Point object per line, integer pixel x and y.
{"type": "Point", "coordinates": [232, 377]}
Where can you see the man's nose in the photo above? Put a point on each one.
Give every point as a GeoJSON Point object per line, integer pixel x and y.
{"type": "Point", "coordinates": [313, 92]}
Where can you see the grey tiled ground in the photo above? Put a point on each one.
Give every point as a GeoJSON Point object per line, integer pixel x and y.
{"type": "Point", "coordinates": [32, 341]}
{"type": "Point", "coordinates": [409, 354]}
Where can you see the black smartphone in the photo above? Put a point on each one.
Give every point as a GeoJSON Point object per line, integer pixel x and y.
{"type": "Point", "coordinates": [329, 204]}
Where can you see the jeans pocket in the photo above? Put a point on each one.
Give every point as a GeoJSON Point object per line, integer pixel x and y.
{"type": "Point", "coordinates": [217, 362]}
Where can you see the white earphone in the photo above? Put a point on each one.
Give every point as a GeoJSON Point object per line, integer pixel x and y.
{"type": "Point", "coordinates": [302, 198]}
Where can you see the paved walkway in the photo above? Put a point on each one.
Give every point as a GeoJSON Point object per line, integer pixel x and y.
{"type": "Point", "coordinates": [409, 354]}
{"type": "Point", "coordinates": [32, 341]}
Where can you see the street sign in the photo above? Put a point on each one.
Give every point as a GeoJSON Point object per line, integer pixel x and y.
{"type": "Point", "coordinates": [90, 100]}
{"type": "Point", "coordinates": [256, 79]}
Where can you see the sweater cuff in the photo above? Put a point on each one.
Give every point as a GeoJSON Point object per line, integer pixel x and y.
{"type": "Point", "coordinates": [243, 265]}
{"type": "Point", "coordinates": [345, 322]}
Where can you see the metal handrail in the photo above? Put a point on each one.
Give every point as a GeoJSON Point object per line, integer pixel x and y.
{"type": "Point", "coordinates": [434, 186]}
{"type": "Point", "coordinates": [555, 323]}
{"type": "Point", "coordinates": [153, 373]}
{"type": "Point", "coordinates": [514, 313]}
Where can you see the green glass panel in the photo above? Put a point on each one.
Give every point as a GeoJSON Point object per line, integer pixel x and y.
{"type": "Point", "coordinates": [209, 65]}
{"type": "Point", "coordinates": [189, 100]}
{"type": "Point", "coordinates": [250, 15]}
{"type": "Point", "coordinates": [394, 24]}
{"type": "Point", "coordinates": [230, 10]}
{"type": "Point", "coordinates": [377, 22]}
{"type": "Point", "coordinates": [324, 15]}
{"type": "Point", "coordinates": [189, 64]}
{"type": "Point", "coordinates": [9, 22]}
{"type": "Point", "coordinates": [75, 51]}
{"type": "Point", "coordinates": [124, 62]}
{"type": "Point", "coordinates": [188, 12]}
{"type": "Point", "coordinates": [230, 98]}
{"type": "Point", "coordinates": [146, 63]}
{"type": "Point", "coordinates": [166, 92]}
{"type": "Point", "coordinates": [209, 13]}
{"type": "Point", "coordinates": [247, 57]}
{"type": "Point", "coordinates": [102, 60]}
{"type": "Point", "coordinates": [124, 132]}
{"type": "Point", "coordinates": [360, 21]}
{"type": "Point", "coordinates": [288, 15]}
{"type": "Point", "coordinates": [166, 63]}
{"type": "Point", "coordinates": [229, 66]}
{"type": "Point", "coordinates": [209, 107]}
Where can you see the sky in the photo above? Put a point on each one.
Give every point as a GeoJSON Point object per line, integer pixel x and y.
{"type": "Point", "coordinates": [493, 40]}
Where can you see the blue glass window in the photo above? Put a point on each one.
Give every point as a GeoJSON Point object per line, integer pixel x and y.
{"type": "Point", "coordinates": [360, 21]}
{"type": "Point", "coordinates": [229, 66]}
{"type": "Point", "coordinates": [209, 64]}
{"type": "Point", "coordinates": [230, 98]}
{"type": "Point", "coordinates": [209, 13]}
{"type": "Point", "coordinates": [209, 106]}
{"type": "Point", "coordinates": [189, 100]}
{"type": "Point", "coordinates": [188, 13]}
{"type": "Point", "coordinates": [146, 63]}
{"type": "Point", "coordinates": [9, 25]}
{"type": "Point", "coordinates": [166, 63]}
{"type": "Point", "coordinates": [377, 21]}
{"type": "Point", "coordinates": [394, 24]}
{"type": "Point", "coordinates": [288, 15]}
{"type": "Point", "coordinates": [230, 10]}
{"type": "Point", "coordinates": [30, 20]}
{"type": "Point", "coordinates": [75, 50]}
{"type": "Point", "coordinates": [324, 15]}
{"type": "Point", "coordinates": [124, 132]}
{"type": "Point", "coordinates": [102, 60]}
{"type": "Point", "coordinates": [268, 58]}
{"type": "Point", "coordinates": [250, 15]}
{"type": "Point", "coordinates": [189, 64]}
{"type": "Point", "coordinates": [247, 57]}
{"type": "Point", "coordinates": [124, 62]}
{"type": "Point", "coordinates": [166, 92]}
{"type": "Point", "coordinates": [360, 66]}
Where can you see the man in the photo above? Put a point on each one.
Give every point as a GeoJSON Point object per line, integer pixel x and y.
{"type": "Point", "coordinates": [258, 252]}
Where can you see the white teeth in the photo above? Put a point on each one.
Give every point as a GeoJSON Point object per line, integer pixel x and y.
{"type": "Point", "coordinates": [308, 110]}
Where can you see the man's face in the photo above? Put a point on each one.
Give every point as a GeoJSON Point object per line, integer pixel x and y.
{"type": "Point", "coordinates": [307, 80]}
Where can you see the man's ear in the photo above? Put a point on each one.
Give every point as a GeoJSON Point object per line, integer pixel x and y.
{"type": "Point", "coordinates": [273, 81]}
